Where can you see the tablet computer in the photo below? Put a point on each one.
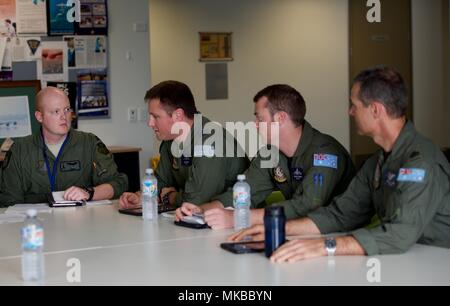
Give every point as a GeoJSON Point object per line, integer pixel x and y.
{"type": "Point", "coordinates": [243, 247]}
{"type": "Point", "coordinates": [131, 211]}
{"type": "Point", "coordinates": [137, 211]}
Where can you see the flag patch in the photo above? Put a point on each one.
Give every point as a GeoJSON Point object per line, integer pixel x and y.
{"type": "Point", "coordinates": [411, 175]}
{"type": "Point", "coordinates": [326, 160]}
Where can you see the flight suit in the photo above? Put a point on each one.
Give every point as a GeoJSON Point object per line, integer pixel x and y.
{"type": "Point", "coordinates": [319, 170]}
{"type": "Point", "coordinates": [409, 190]}
{"type": "Point", "coordinates": [84, 162]}
{"type": "Point", "coordinates": [200, 174]}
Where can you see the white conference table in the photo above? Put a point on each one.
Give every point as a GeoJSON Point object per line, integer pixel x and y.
{"type": "Point", "coordinates": [116, 249]}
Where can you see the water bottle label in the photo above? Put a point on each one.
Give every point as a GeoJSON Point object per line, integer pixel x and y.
{"type": "Point", "coordinates": [241, 198]}
{"type": "Point", "coordinates": [32, 237]}
{"type": "Point", "coordinates": [150, 188]}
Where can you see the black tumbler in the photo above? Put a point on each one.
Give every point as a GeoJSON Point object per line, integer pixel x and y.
{"type": "Point", "coordinates": [274, 228]}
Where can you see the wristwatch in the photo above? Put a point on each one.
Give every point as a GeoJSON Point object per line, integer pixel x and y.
{"type": "Point", "coordinates": [165, 199]}
{"type": "Point", "coordinates": [330, 245]}
{"type": "Point", "coordinates": [90, 191]}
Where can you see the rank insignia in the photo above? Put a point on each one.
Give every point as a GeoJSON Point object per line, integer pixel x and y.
{"type": "Point", "coordinates": [186, 161]}
{"type": "Point", "coordinates": [297, 174]}
{"type": "Point", "coordinates": [390, 179]}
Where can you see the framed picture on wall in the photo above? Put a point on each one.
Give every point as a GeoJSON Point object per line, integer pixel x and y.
{"type": "Point", "coordinates": [17, 107]}
{"type": "Point", "coordinates": [215, 46]}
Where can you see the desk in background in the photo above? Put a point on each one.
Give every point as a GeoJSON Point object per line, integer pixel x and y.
{"type": "Point", "coordinates": [127, 160]}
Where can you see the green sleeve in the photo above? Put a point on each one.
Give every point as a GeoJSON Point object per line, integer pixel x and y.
{"type": "Point", "coordinates": [260, 182]}
{"type": "Point", "coordinates": [409, 210]}
{"type": "Point", "coordinates": [164, 169]}
{"type": "Point", "coordinates": [11, 183]}
{"type": "Point", "coordinates": [105, 170]}
{"type": "Point", "coordinates": [206, 179]}
{"type": "Point", "coordinates": [350, 210]}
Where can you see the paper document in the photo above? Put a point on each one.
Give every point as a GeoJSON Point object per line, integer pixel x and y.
{"type": "Point", "coordinates": [11, 218]}
{"type": "Point", "coordinates": [22, 209]}
{"type": "Point", "coordinates": [58, 196]}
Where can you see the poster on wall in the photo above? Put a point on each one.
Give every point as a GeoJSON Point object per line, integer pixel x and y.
{"type": "Point", "coordinates": [6, 46]}
{"type": "Point", "coordinates": [70, 89]}
{"type": "Point", "coordinates": [15, 118]}
{"type": "Point", "coordinates": [26, 49]}
{"type": "Point", "coordinates": [94, 18]}
{"type": "Point", "coordinates": [86, 51]}
{"type": "Point", "coordinates": [58, 23]}
{"type": "Point", "coordinates": [92, 93]}
{"type": "Point", "coordinates": [31, 17]}
{"type": "Point", "coordinates": [52, 65]}
{"type": "Point", "coordinates": [7, 18]}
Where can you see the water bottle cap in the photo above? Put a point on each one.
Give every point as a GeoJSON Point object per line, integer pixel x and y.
{"type": "Point", "coordinates": [149, 171]}
{"type": "Point", "coordinates": [274, 211]}
{"type": "Point", "coordinates": [241, 177]}
{"type": "Point", "coordinates": [31, 213]}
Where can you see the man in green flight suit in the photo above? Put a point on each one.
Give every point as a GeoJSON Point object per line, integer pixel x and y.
{"type": "Point", "coordinates": [58, 158]}
{"type": "Point", "coordinates": [312, 167]}
{"type": "Point", "coordinates": [190, 169]}
{"type": "Point", "coordinates": [406, 184]}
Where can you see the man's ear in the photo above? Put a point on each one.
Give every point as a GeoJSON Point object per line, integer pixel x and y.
{"type": "Point", "coordinates": [281, 117]}
{"type": "Point", "coordinates": [38, 116]}
{"type": "Point", "coordinates": [377, 109]}
{"type": "Point", "coordinates": [178, 114]}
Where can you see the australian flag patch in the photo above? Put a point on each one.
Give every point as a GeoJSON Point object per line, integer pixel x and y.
{"type": "Point", "coordinates": [411, 175]}
{"type": "Point", "coordinates": [326, 160]}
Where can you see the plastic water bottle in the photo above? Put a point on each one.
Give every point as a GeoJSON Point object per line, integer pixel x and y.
{"type": "Point", "coordinates": [32, 247]}
{"type": "Point", "coordinates": [149, 199]}
{"type": "Point", "coordinates": [241, 202]}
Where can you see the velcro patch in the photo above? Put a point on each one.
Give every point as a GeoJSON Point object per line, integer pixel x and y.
{"type": "Point", "coordinates": [326, 160]}
{"type": "Point", "coordinates": [411, 175]}
{"type": "Point", "coordinates": [69, 166]}
{"type": "Point", "coordinates": [102, 149]}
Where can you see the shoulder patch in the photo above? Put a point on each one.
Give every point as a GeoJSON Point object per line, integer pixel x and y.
{"type": "Point", "coordinates": [325, 160]}
{"type": "Point", "coordinates": [101, 148]}
{"type": "Point", "coordinates": [278, 175]}
{"type": "Point", "coordinates": [411, 175]}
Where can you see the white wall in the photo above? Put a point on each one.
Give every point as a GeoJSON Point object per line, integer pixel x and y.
{"type": "Point", "coordinates": [129, 80]}
{"type": "Point", "coordinates": [431, 115]}
{"type": "Point", "coordinates": [303, 43]}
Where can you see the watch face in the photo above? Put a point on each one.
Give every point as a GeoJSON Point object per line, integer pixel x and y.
{"type": "Point", "coordinates": [330, 243]}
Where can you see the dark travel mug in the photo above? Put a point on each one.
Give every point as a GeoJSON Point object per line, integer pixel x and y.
{"type": "Point", "coordinates": [274, 228]}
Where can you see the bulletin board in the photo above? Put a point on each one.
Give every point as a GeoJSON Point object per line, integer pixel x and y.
{"type": "Point", "coordinates": [69, 54]}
